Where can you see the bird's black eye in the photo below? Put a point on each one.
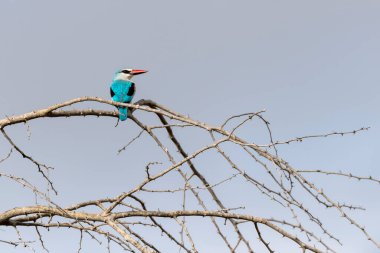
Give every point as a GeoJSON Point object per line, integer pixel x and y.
{"type": "Point", "coordinates": [125, 71]}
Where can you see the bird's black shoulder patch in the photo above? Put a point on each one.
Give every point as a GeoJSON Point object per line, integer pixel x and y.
{"type": "Point", "coordinates": [112, 92]}
{"type": "Point", "coordinates": [131, 90]}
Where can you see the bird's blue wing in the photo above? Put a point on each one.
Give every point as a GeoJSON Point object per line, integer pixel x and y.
{"type": "Point", "coordinates": [122, 91]}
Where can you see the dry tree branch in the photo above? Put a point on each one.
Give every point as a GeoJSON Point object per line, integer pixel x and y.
{"type": "Point", "coordinates": [110, 219]}
{"type": "Point", "coordinates": [262, 239]}
{"type": "Point", "coordinates": [40, 166]}
{"type": "Point", "coordinates": [340, 173]}
{"type": "Point", "coordinates": [300, 139]}
{"type": "Point", "coordinates": [115, 218]}
{"type": "Point", "coordinates": [7, 156]}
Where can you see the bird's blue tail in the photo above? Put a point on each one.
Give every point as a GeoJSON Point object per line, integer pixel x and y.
{"type": "Point", "coordinates": [123, 113]}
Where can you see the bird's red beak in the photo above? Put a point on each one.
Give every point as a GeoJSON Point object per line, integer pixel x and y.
{"type": "Point", "coordinates": [138, 71]}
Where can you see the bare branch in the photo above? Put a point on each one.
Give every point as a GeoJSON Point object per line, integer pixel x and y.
{"type": "Point", "coordinates": [123, 219]}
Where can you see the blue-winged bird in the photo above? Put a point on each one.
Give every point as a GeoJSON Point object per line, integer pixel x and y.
{"type": "Point", "coordinates": [122, 89]}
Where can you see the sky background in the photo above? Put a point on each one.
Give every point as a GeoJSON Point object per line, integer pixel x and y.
{"type": "Point", "coordinates": [313, 65]}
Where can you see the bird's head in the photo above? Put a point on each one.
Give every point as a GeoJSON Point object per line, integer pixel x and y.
{"type": "Point", "coordinates": [127, 74]}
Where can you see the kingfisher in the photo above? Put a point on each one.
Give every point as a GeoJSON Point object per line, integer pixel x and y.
{"type": "Point", "coordinates": [123, 89]}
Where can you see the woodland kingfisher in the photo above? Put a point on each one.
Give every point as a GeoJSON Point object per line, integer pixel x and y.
{"type": "Point", "coordinates": [123, 89]}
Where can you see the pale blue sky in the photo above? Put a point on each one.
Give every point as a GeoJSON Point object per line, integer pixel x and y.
{"type": "Point", "coordinates": [313, 65]}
